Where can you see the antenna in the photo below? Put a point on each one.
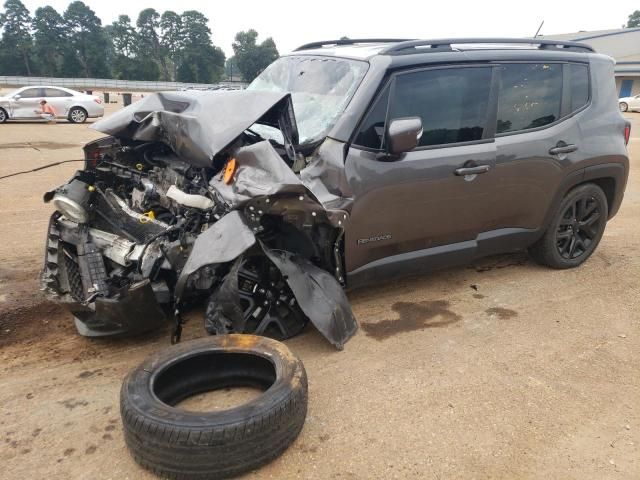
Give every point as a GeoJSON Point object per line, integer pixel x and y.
{"type": "Point", "coordinates": [538, 31]}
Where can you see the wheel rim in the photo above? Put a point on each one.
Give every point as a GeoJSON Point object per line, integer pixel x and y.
{"type": "Point", "coordinates": [2, 116]}
{"type": "Point", "coordinates": [579, 227]}
{"type": "Point", "coordinates": [77, 116]}
{"type": "Point", "coordinates": [268, 306]}
{"type": "Point", "coordinates": [623, 107]}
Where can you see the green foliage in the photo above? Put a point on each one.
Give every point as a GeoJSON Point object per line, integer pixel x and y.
{"type": "Point", "coordinates": [634, 20]}
{"type": "Point", "coordinates": [172, 39]}
{"type": "Point", "coordinates": [231, 68]}
{"type": "Point", "coordinates": [149, 40]}
{"type": "Point", "coordinates": [251, 57]}
{"type": "Point", "coordinates": [16, 48]}
{"type": "Point", "coordinates": [87, 41]}
{"type": "Point", "coordinates": [165, 46]}
{"type": "Point", "coordinates": [200, 61]}
{"type": "Point", "coordinates": [49, 41]}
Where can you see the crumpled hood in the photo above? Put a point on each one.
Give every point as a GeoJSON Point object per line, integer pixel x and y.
{"type": "Point", "coordinates": [198, 125]}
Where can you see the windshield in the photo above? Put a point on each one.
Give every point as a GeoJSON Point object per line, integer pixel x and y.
{"type": "Point", "coordinates": [320, 88]}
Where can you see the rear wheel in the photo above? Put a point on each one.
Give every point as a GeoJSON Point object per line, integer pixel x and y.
{"type": "Point", "coordinates": [77, 115]}
{"type": "Point", "coordinates": [575, 230]}
{"type": "Point", "coordinates": [268, 305]}
{"type": "Point", "coordinates": [3, 115]}
{"type": "Point", "coordinates": [623, 107]}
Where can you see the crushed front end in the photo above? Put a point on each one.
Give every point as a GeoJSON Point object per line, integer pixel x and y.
{"type": "Point", "coordinates": [177, 205]}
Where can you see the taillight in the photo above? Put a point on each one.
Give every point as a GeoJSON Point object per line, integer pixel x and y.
{"type": "Point", "coordinates": [97, 100]}
{"type": "Point", "coordinates": [627, 134]}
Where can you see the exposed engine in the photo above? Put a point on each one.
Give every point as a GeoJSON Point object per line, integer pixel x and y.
{"type": "Point", "coordinates": [141, 231]}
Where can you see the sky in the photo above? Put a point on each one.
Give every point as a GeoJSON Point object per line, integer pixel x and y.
{"type": "Point", "coordinates": [292, 23]}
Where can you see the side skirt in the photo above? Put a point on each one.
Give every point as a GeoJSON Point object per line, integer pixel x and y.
{"type": "Point", "coordinates": [429, 259]}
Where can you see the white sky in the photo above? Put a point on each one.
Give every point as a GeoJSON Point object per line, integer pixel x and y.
{"type": "Point", "coordinates": [292, 23]}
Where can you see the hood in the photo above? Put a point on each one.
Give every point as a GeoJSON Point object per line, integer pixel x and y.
{"type": "Point", "coordinates": [199, 125]}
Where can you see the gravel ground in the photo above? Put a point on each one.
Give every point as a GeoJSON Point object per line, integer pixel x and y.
{"type": "Point", "coordinates": [502, 369]}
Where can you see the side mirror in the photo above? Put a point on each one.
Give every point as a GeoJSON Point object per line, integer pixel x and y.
{"type": "Point", "coordinates": [17, 97]}
{"type": "Point", "coordinates": [403, 134]}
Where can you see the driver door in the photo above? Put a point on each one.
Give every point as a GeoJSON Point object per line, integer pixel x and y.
{"type": "Point", "coordinates": [28, 103]}
{"type": "Point", "coordinates": [420, 203]}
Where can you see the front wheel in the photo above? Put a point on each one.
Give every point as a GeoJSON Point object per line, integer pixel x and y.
{"type": "Point", "coordinates": [623, 107]}
{"type": "Point", "coordinates": [265, 301]}
{"type": "Point", "coordinates": [575, 230]}
{"type": "Point", "coordinates": [3, 115]}
{"type": "Point", "coordinates": [77, 115]}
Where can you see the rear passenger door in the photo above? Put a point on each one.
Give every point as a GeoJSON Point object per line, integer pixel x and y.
{"type": "Point", "coordinates": [59, 99]}
{"type": "Point", "coordinates": [537, 139]}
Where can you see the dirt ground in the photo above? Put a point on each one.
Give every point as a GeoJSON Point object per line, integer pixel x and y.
{"type": "Point", "coordinates": [501, 370]}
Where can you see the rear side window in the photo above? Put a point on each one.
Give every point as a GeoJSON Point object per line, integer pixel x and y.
{"type": "Point", "coordinates": [452, 103]}
{"type": "Point", "coordinates": [54, 92]}
{"type": "Point", "coordinates": [530, 96]}
{"type": "Point", "coordinates": [579, 75]}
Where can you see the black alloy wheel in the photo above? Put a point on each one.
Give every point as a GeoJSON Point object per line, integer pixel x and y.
{"type": "Point", "coordinates": [575, 230]}
{"type": "Point", "coordinates": [580, 226]}
{"type": "Point", "coordinates": [268, 305]}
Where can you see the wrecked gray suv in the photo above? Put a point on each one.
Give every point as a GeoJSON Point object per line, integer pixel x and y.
{"type": "Point", "coordinates": [344, 163]}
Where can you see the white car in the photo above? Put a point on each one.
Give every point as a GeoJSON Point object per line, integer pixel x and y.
{"type": "Point", "coordinates": [629, 103]}
{"type": "Point", "coordinates": [24, 102]}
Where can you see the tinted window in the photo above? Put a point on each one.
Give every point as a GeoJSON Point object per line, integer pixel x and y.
{"type": "Point", "coordinates": [530, 96]}
{"type": "Point", "coordinates": [31, 93]}
{"type": "Point", "coordinates": [579, 86]}
{"type": "Point", "coordinates": [372, 131]}
{"type": "Point", "coordinates": [452, 103]}
{"type": "Point", "coordinates": [54, 92]}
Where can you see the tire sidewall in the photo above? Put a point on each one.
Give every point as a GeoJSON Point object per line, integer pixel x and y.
{"type": "Point", "coordinates": [3, 115]}
{"type": "Point", "coordinates": [591, 190]}
{"type": "Point", "coordinates": [137, 389]}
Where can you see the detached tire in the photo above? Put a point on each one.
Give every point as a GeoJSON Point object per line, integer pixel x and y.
{"type": "Point", "coordinates": [180, 444]}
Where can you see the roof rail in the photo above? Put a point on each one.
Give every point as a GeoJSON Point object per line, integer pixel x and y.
{"type": "Point", "coordinates": [412, 46]}
{"type": "Point", "coordinates": [349, 41]}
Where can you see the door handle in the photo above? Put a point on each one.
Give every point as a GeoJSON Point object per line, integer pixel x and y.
{"type": "Point", "coordinates": [563, 149]}
{"type": "Point", "coordinates": [461, 172]}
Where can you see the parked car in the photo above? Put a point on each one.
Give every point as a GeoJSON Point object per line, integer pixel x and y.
{"type": "Point", "coordinates": [629, 104]}
{"type": "Point", "coordinates": [344, 163]}
{"type": "Point", "coordinates": [23, 103]}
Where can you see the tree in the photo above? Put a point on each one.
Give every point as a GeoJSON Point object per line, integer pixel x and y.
{"type": "Point", "coordinates": [231, 68]}
{"type": "Point", "coordinates": [251, 57]}
{"type": "Point", "coordinates": [148, 33]}
{"type": "Point", "coordinates": [201, 62]}
{"type": "Point", "coordinates": [16, 38]}
{"type": "Point", "coordinates": [172, 39]}
{"type": "Point", "coordinates": [634, 20]}
{"type": "Point", "coordinates": [87, 41]}
{"type": "Point", "coordinates": [128, 61]}
{"type": "Point", "coordinates": [49, 41]}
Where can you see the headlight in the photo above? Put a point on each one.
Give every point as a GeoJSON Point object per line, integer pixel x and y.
{"type": "Point", "coordinates": [72, 201]}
